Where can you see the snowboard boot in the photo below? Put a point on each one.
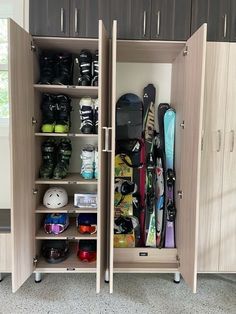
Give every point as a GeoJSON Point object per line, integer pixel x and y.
{"type": "Point", "coordinates": [95, 116]}
{"type": "Point", "coordinates": [96, 163]}
{"type": "Point", "coordinates": [86, 115]}
{"type": "Point", "coordinates": [48, 149]}
{"type": "Point", "coordinates": [47, 69]}
{"type": "Point", "coordinates": [63, 69]}
{"type": "Point", "coordinates": [95, 69]}
{"type": "Point", "coordinates": [63, 109]}
{"type": "Point", "coordinates": [63, 160]}
{"type": "Point", "coordinates": [85, 64]}
{"type": "Point", "coordinates": [48, 113]}
{"type": "Point", "coordinates": [88, 161]}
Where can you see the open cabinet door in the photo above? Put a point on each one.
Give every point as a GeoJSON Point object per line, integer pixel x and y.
{"type": "Point", "coordinates": [113, 150]}
{"type": "Point", "coordinates": [103, 47]}
{"type": "Point", "coordinates": [21, 99]}
{"type": "Point", "coordinates": [188, 211]}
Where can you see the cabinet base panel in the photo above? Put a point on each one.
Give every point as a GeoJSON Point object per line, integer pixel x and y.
{"type": "Point", "coordinates": [146, 268]}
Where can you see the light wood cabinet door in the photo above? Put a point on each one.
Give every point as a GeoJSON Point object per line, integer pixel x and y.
{"type": "Point", "coordinates": [22, 159]}
{"type": "Point", "coordinates": [227, 231]}
{"type": "Point", "coordinates": [187, 233]}
{"type": "Point", "coordinates": [215, 99]}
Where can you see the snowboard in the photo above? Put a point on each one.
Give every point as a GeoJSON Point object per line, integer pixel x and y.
{"type": "Point", "coordinates": [169, 141]}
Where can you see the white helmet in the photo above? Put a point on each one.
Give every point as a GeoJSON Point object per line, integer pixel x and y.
{"type": "Point", "coordinates": [55, 197]}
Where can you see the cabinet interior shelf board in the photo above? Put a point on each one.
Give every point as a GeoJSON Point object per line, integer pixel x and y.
{"type": "Point", "coordinates": [66, 135]}
{"type": "Point", "coordinates": [73, 91]}
{"type": "Point", "coordinates": [145, 267]}
{"type": "Point", "coordinates": [72, 178]}
{"type": "Point", "coordinates": [69, 208]}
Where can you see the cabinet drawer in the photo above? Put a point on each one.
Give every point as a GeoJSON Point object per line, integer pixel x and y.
{"type": "Point", "coordinates": [5, 252]}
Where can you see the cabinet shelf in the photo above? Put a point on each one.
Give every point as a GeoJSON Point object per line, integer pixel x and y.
{"type": "Point", "coordinates": [71, 178]}
{"type": "Point", "coordinates": [69, 208]}
{"type": "Point", "coordinates": [71, 233]}
{"type": "Point", "coordinates": [66, 135]}
{"type": "Point", "coordinates": [73, 91]}
{"type": "Point", "coordinates": [145, 267]}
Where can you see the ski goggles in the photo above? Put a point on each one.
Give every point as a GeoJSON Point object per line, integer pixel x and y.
{"type": "Point", "coordinates": [91, 229]}
{"type": "Point", "coordinates": [86, 256]}
{"type": "Point", "coordinates": [54, 228]}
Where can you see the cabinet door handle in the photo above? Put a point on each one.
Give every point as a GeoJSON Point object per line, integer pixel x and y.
{"type": "Point", "coordinates": [225, 26]}
{"type": "Point", "coordinates": [105, 149]}
{"type": "Point", "coordinates": [76, 20]}
{"type": "Point", "coordinates": [62, 20]}
{"type": "Point", "coordinates": [158, 23]}
{"type": "Point", "coordinates": [144, 23]}
{"type": "Point", "coordinates": [219, 141]}
{"type": "Point", "coordinates": [109, 130]}
{"type": "Point", "coordinates": [232, 141]}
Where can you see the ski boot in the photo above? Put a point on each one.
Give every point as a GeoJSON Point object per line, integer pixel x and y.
{"type": "Point", "coordinates": [88, 161]}
{"type": "Point", "coordinates": [47, 69]}
{"type": "Point", "coordinates": [85, 61]}
{"type": "Point", "coordinates": [95, 116]}
{"type": "Point", "coordinates": [64, 154]}
{"type": "Point", "coordinates": [63, 109]}
{"type": "Point", "coordinates": [48, 149]}
{"type": "Point", "coordinates": [48, 113]}
{"type": "Point", "coordinates": [96, 163]}
{"type": "Point", "coordinates": [95, 69]}
{"type": "Point", "coordinates": [86, 115]}
{"type": "Point", "coordinates": [63, 69]}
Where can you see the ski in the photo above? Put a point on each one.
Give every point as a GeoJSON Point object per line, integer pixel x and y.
{"type": "Point", "coordinates": [159, 200]}
{"type": "Point", "coordinates": [169, 142]}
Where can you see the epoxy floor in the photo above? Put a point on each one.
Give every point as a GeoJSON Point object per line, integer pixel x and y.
{"type": "Point", "coordinates": [143, 293]}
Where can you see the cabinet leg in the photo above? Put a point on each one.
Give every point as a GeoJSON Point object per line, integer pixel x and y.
{"type": "Point", "coordinates": [37, 277]}
{"type": "Point", "coordinates": [177, 277]}
{"type": "Point", "coordinates": [0, 277]}
{"type": "Point", "coordinates": [107, 276]}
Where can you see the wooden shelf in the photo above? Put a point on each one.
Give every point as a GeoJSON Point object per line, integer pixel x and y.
{"type": "Point", "coordinates": [71, 178]}
{"type": "Point", "coordinates": [69, 208]}
{"type": "Point", "coordinates": [73, 91]}
{"type": "Point", "coordinates": [145, 267]}
{"type": "Point", "coordinates": [66, 135]}
{"type": "Point", "coordinates": [71, 264]}
{"type": "Point", "coordinates": [71, 233]}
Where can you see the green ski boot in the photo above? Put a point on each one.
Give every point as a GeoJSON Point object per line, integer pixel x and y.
{"type": "Point", "coordinates": [63, 109]}
{"type": "Point", "coordinates": [48, 149]}
{"type": "Point", "coordinates": [63, 161]}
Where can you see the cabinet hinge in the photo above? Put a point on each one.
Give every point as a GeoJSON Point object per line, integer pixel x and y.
{"type": "Point", "coordinates": [35, 261]}
{"type": "Point", "coordinates": [35, 191]}
{"type": "Point", "coordinates": [33, 47]}
{"type": "Point", "coordinates": [178, 259]}
{"type": "Point", "coordinates": [182, 125]}
{"type": "Point", "coordinates": [180, 194]}
{"type": "Point", "coordinates": [185, 52]}
{"type": "Point", "coordinates": [34, 121]}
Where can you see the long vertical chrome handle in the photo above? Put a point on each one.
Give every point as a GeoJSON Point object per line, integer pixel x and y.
{"type": "Point", "coordinates": [225, 26]}
{"type": "Point", "coordinates": [109, 141]}
{"type": "Point", "coordinates": [76, 20]}
{"type": "Point", "coordinates": [232, 141]}
{"type": "Point", "coordinates": [158, 23]}
{"type": "Point", "coordinates": [106, 139]}
{"type": "Point", "coordinates": [62, 20]}
{"type": "Point", "coordinates": [219, 141]}
{"type": "Point", "coordinates": [144, 23]}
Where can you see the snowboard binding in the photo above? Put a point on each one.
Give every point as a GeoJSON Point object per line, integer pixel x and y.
{"type": "Point", "coordinates": [170, 178]}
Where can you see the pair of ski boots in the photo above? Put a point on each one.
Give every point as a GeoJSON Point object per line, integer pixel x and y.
{"type": "Point", "coordinates": [55, 69]}
{"type": "Point", "coordinates": [89, 168]}
{"type": "Point", "coordinates": [89, 115]}
{"type": "Point", "coordinates": [55, 113]}
{"type": "Point", "coordinates": [86, 69]}
{"type": "Point", "coordinates": [56, 159]}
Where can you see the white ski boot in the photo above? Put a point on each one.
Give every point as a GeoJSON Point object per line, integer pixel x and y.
{"type": "Point", "coordinates": [88, 161]}
{"type": "Point", "coordinates": [96, 163]}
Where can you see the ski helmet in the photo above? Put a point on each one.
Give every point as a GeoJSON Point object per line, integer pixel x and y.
{"type": "Point", "coordinates": [87, 223]}
{"type": "Point", "coordinates": [55, 197]}
{"type": "Point", "coordinates": [56, 223]}
{"type": "Point", "coordinates": [87, 250]}
{"type": "Point", "coordinates": [55, 251]}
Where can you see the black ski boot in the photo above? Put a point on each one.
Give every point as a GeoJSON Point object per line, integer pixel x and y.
{"type": "Point", "coordinates": [63, 69]}
{"type": "Point", "coordinates": [48, 149]}
{"type": "Point", "coordinates": [63, 160]}
{"type": "Point", "coordinates": [47, 69]}
{"type": "Point", "coordinates": [95, 116]}
{"type": "Point", "coordinates": [48, 113]}
{"type": "Point", "coordinates": [86, 115]}
{"type": "Point", "coordinates": [95, 69]}
{"type": "Point", "coordinates": [63, 109]}
{"type": "Point", "coordinates": [85, 64]}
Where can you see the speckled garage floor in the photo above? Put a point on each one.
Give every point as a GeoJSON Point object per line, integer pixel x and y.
{"type": "Point", "coordinates": [143, 293]}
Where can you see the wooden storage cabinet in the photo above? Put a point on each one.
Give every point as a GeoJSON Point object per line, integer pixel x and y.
{"type": "Point", "coordinates": [187, 90]}
{"type": "Point", "coordinates": [5, 253]}
{"type": "Point", "coordinates": [26, 139]}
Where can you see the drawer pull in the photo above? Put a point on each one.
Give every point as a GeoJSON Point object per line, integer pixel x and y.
{"type": "Point", "coordinates": [158, 23]}
{"type": "Point", "coordinates": [62, 20]}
